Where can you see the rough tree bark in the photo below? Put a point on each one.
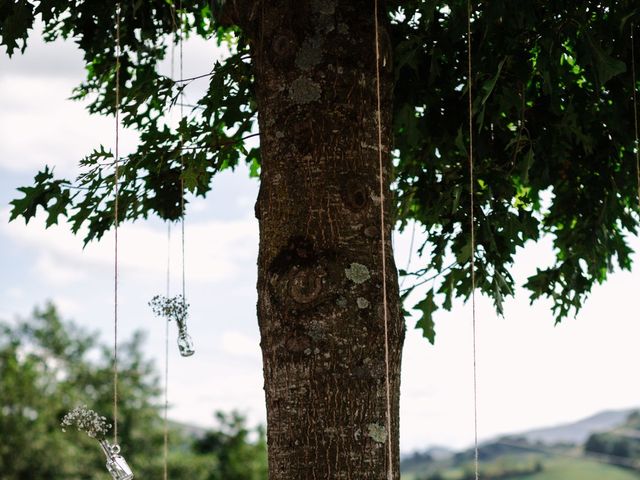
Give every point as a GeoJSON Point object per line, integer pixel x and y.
{"type": "Point", "coordinates": [320, 264]}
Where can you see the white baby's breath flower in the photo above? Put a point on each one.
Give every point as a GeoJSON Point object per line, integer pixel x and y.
{"type": "Point", "coordinates": [86, 420]}
{"type": "Point", "coordinates": [171, 308]}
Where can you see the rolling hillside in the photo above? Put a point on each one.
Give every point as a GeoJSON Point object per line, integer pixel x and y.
{"type": "Point", "coordinates": [554, 453]}
{"type": "Point", "coordinates": [577, 432]}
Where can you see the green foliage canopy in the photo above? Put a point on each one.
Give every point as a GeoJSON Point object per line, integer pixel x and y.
{"type": "Point", "coordinates": [552, 126]}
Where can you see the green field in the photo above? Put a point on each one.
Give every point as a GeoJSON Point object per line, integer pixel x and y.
{"type": "Point", "coordinates": [564, 469]}
{"type": "Point", "coordinates": [580, 469]}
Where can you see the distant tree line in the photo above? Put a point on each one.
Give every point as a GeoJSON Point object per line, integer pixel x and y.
{"type": "Point", "coordinates": [621, 443]}
{"type": "Point", "coordinates": [501, 459]}
{"type": "Point", "coordinates": [47, 366]}
{"type": "Point", "coordinates": [501, 474]}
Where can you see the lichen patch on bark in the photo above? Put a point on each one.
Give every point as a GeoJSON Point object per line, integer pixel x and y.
{"type": "Point", "coordinates": [304, 90]}
{"type": "Point", "coordinates": [310, 54]}
{"type": "Point", "coordinates": [362, 302]}
{"type": "Point", "coordinates": [357, 273]}
{"type": "Point", "coordinates": [377, 432]}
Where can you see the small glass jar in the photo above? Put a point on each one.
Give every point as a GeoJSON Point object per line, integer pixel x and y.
{"type": "Point", "coordinates": [185, 344]}
{"type": "Point", "coordinates": [117, 466]}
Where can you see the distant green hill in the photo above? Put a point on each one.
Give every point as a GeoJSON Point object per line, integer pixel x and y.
{"type": "Point", "coordinates": [578, 432]}
{"type": "Point", "coordinates": [612, 453]}
{"type": "Point", "coordinates": [551, 469]}
{"type": "Point", "coordinates": [579, 469]}
{"type": "Point", "coordinates": [622, 443]}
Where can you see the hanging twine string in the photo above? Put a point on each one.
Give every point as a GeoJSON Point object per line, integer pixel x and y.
{"type": "Point", "coordinates": [635, 109]}
{"type": "Point", "coordinates": [383, 252]}
{"type": "Point", "coordinates": [184, 293]}
{"type": "Point", "coordinates": [168, 295]}
{"type": "Point", "coordinates": [473, 244]}
{"type": "Point", "coordinates": [116, 221]}
{"type": "Point", "coordinates": [165, 456]}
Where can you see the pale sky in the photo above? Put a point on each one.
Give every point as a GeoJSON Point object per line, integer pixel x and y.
{"type": "Point", "coordinates": [530, 373]}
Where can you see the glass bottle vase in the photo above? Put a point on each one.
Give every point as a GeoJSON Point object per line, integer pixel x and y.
{"type": "Point", "coordinates": [117, 466]}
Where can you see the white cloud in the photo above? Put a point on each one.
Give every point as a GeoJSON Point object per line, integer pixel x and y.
{"type": "Point", "coordinates": [228, 386]}
{"type": "Point", "coordinates": [71, 307]}
{"type": "Point", "coordinates": [245, 201]}
{"type": "Point", "coordinates": [14, 293]}
{"type": "Point", "coordinates": [56, 271]}
{"type": "Point", "coordinates": [198, 205]}
{"type": "Point", "coordinates": [240, 345]}
{"type": "Point", "coordinates": [214, 250]}
{"type": "Point", "coordinates": [36, 111]}
{"type": "Point", "coordinates": [53, 60]}
{"type": "Point", "coordinates": [42, 127]}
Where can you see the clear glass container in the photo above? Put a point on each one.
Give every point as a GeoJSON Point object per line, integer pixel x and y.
{"type": "Point", "coordinates": [185, 344]}
{"type": "Point", "coordinates": [117, 466]}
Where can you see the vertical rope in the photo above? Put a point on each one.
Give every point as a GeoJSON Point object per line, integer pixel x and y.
{"type": "Point", "coordinates": [116, 220]}
{"type": "Point", "coordinates": [168, 295]}
{"type": "Point", "coordinates": [184, 294]}
{"type": "Point", "coordinates": [383, 252]}
{"type": "Point", "coordinates": [473, 243]}
{"type": "Point", "coordinates": [635, 108]}
{"type": "Point", "coordinates": [165, 453]}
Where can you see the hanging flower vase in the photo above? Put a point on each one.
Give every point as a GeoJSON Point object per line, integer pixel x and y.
{"type": "Point", "coordinates": [117, 466]}
{"type": "Point", "coordinates": [185, 344]}
{"type": "Point", "coordinates": [175, 308]}
{"type": "Point", "coordinates": [96, 426]}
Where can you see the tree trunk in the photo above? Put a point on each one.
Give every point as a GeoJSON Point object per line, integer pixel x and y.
{"type": "Point", "coordinates": [320, 263]}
